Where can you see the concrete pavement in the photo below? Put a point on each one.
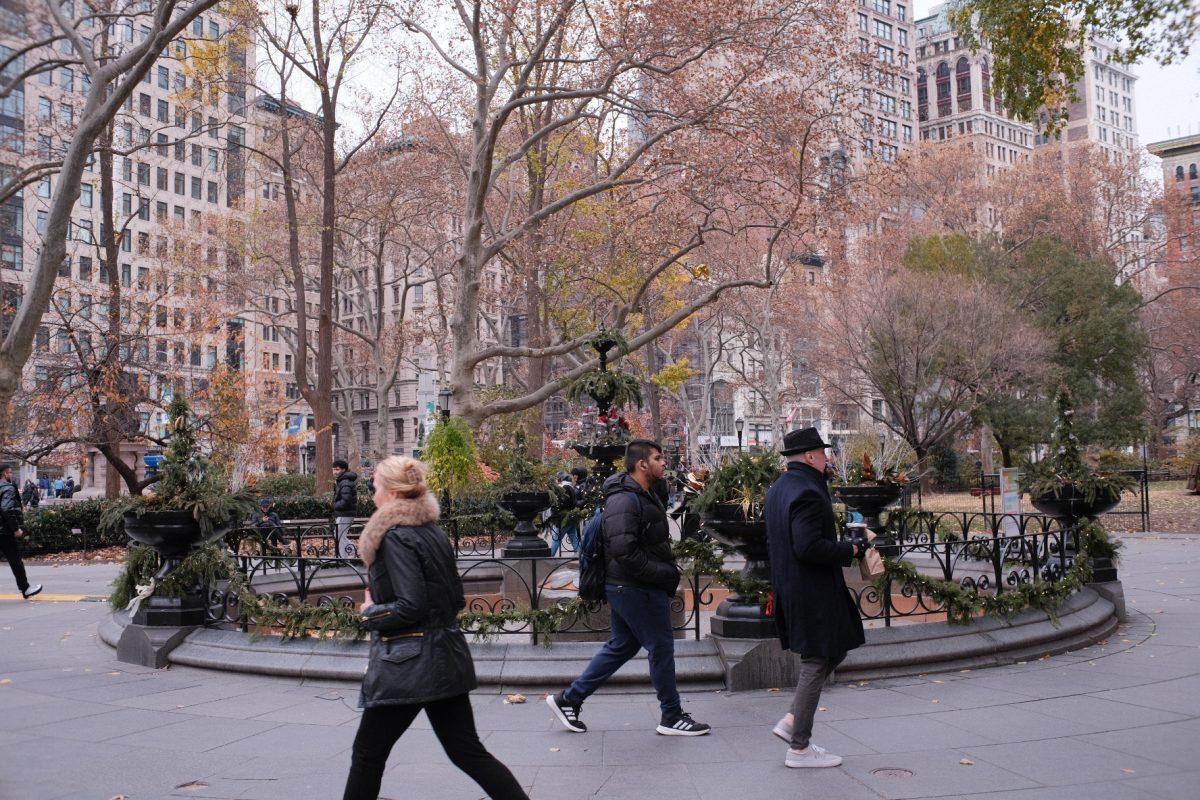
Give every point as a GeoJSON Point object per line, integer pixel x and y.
{"type": "Point", "coordinates": [1120, 719]}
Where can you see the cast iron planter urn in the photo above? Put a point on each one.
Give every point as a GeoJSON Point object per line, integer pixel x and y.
{"type": "Point", "coordinates": [525, 506]}
{"type": "Point", "coordinates": [173, 534]}
{"type": "Point", "coordinates": [736, 617]}
{"type": "Point", "coordinates": [870, 499]}
{"type": "Point", "coordinates": [1071, 506]}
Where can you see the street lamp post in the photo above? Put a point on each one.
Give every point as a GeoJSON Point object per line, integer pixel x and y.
{"type": "Point", "coordinates": [443, 403]}
{"type": "Point", "coordinates": [739, 425]}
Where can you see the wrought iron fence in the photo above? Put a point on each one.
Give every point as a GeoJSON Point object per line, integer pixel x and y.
{"type": "Point", "coordinates": [317, 539]}
{"type": "Point", "coordinates": [988, 552]}
{"type": "Point", "coordinates": [495, 585]}
{"type": "Point", "coordinates": [989, 491]}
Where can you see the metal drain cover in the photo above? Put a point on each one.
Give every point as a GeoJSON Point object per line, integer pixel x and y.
{"type": "Point", "coordinates": [892, 772]}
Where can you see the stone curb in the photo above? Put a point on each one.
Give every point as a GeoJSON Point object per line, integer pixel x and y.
{"type": "Point", "coordinates": [1085, 617]}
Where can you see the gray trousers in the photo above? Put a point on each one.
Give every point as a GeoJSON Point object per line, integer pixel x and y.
{"type": "Point", "coordinates": [813, 674]}
{"type": "Point", "coordinates": [345, 547]}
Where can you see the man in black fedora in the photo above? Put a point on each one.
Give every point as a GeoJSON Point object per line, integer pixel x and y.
{"type": "Point", "coordinates": [814, 613]}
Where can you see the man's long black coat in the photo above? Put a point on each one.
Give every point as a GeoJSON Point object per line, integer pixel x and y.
{"type": "Point", "coordinates": [814, 612]}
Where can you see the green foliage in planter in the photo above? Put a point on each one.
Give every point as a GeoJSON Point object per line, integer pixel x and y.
{"type": "Point", "coordinates": [697, 557]}
{"type": "Point", "coordinates": [1065, 470]}
{"type": "Point", "coordinates": [476, 512]}
{"type": "Point", "coordinates": [741, 480]}
{"type": "Point", "coordinates": [450, 453]}
{"type": "Point", "coordinates": [520, 473]}
{"type": "Point", "coordinates": [188, 483]}
{"type": "Point", "coordinates": [204, 565]}
{"type": "Point", "coordinates": [617, 388]}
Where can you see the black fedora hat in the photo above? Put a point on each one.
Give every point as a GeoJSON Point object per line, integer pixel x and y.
{"type": "Point", "coordinates": [801, 441]}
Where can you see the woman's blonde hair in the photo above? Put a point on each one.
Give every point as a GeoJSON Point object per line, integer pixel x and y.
{"type": "Point", "coordinates": [402, 475]}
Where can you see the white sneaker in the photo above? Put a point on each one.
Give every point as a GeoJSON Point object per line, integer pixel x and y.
{"type": "Point", "coordinates": [32, 590]}
{"type": "Point", "coordinates": [811, 756]}
{"type": "Point", "coordinates": [783, 730]}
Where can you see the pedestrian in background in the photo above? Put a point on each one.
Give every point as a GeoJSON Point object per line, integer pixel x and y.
{"type": "Point", "coordinates": [269, 524]}
{"type": "Point", "coordinates": [12, 520]}
{"type": "Point", "coordinates": [30, 496]}
{"type": "Point", "coordinates": [814, 612]}
{"type": "Point", "coordinates": [568, 522]}
{"type": "Point", "coordinates": [345, 506]}
{"type": "Point", "coordinates": [419, 658]}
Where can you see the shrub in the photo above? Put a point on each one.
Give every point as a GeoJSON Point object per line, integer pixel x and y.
{"type": "Point", "coordinates": [282, 485]}
{"type": "Point", "coordinates": [48, 529]}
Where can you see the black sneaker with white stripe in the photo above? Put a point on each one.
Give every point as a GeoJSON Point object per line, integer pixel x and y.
{"type": "Point", "coordinates": [565, 713]}
{"type": "Point", "coordinates": [683, 725]}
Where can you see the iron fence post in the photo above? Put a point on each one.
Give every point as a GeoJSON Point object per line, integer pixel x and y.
{"type": "Point", "coordinates": [533, 593]}
{"type": "Point", "coordinates": [997, 563]}
{"type": "Point", "coordinates": [1145, 490]}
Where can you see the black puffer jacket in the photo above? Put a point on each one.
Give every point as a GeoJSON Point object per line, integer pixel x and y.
{"type": "Point", "coordinates": [418, 654]}
{"type": "Point", "coordinates": [637, 541]}
{"type": "Point", "coordinates": [12, 517]}
{"type": "Point", "coordinates": [345, 495]}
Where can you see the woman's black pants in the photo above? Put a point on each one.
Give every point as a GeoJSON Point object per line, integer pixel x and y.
{"type": "Point", "coordinates": [454, 724]}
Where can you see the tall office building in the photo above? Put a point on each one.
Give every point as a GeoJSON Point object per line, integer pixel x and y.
{"type": "Point", "coordinates": [180, 169]}
{"type": "Point", "coordinates": [884, 38]}
{"type": "Point", "coordinates": [955, 99]}
{"type": "Point", "coordinates": [1104, 113]}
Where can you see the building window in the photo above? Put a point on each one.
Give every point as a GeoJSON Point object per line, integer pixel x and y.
{"type": "Point", "coordinates": [922, 95]}
{"type": "Point", "coordinates": [985, 82]}
{"type": "Point", "coordinates": [943, 89]}
{"type": "Point", "coordinates": [962, 72]}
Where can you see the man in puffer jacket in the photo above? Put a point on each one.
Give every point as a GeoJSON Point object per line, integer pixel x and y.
{"type": "Point", "coordinates": [345, 506]}
{"type": "Point", "coordinates": [641, 581]}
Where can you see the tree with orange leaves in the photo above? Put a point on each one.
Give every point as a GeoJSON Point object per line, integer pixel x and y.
{"type": "Point", "coordinates": [639, 122]}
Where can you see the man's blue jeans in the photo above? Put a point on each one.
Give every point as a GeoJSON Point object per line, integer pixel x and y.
{"type": "Point", "coordinates": [640, 618]}
{"type": "Point", "coordinates": [571, 532]}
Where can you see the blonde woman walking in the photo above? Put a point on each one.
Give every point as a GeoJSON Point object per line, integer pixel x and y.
{"type": "Point", "coordinates": [419, 658]}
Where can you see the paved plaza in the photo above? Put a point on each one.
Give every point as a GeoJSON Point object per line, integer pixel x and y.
{"type": "Point", "coordinates": [1117, 721]}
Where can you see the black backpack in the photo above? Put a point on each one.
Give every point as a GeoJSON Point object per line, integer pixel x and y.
{"type": "Point", "coordinates": [593, 566]}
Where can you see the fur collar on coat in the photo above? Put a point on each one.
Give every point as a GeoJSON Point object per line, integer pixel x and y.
{"type": "Point", "coordinates": [405, 511]}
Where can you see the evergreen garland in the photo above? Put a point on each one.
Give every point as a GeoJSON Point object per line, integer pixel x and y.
{"type": "Point", "coordinates": [698, 557]}
{"type": "Point", "coordinates": [545, 622]}
{"type": "Point", "coordinates": [210, 564]}
{"type": "Point", "coordinates": [962, 603]}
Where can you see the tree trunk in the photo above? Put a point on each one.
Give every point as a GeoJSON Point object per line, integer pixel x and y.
{"type": "Point", "coordinates": [924, 468]}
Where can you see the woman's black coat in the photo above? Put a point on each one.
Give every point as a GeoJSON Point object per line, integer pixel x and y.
{"type": "Point", "coordinates": [418, 653]}
{"type": "Point", "coordinates": [814, 612]}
